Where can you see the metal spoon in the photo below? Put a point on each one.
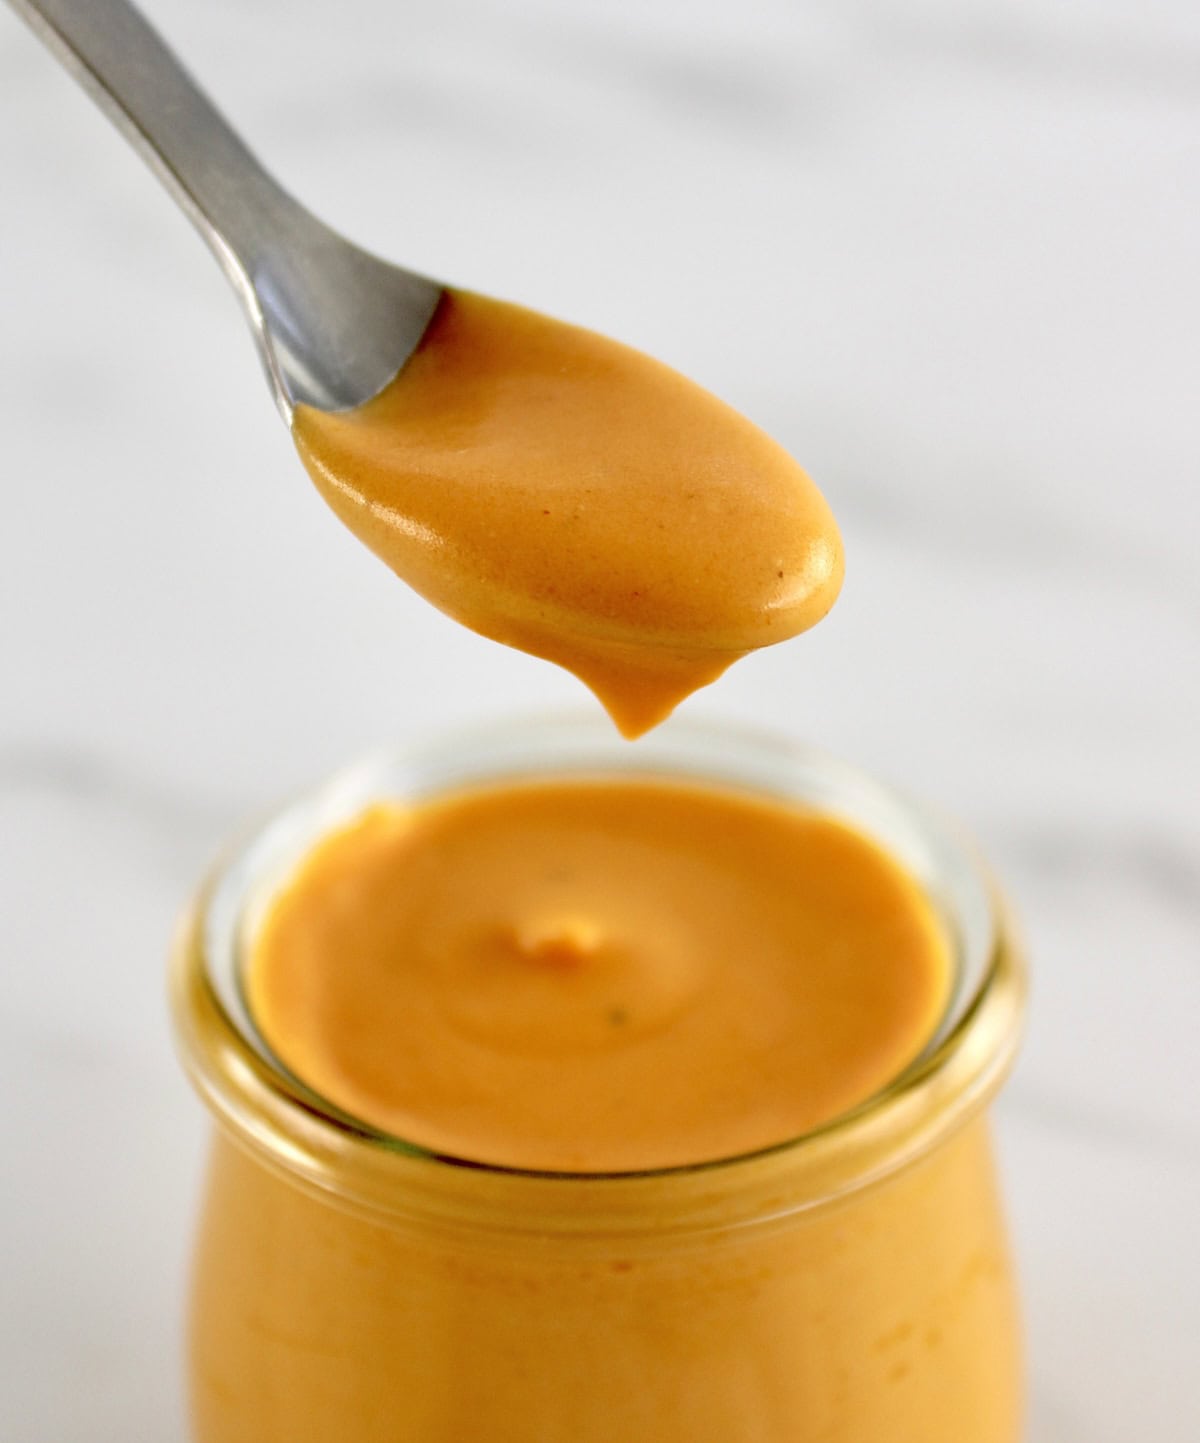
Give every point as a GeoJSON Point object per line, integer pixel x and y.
{"type": "Point", "coordinates": [333, 323]}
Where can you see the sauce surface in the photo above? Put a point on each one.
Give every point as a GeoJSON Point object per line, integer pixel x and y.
{"type": "Point", "coordinates": [569, 496]}
{"type": "Point", "coordinates": [597, 975]}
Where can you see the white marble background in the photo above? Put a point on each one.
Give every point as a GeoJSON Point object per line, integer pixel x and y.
{"type": "Point", "coordinates": [946, 251]}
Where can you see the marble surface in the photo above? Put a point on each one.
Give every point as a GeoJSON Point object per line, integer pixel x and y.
{"type": "Point", "coordinates": [945, 251]}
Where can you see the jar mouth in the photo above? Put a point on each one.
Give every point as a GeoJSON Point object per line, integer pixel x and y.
{"type": "Point", "coordinates": [267, 1106]}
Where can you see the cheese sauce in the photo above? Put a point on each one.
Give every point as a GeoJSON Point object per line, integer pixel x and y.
{"type": "Point", "coordinates": [571, 497]}
{"type": "Point", "coordinates": [597, 975]}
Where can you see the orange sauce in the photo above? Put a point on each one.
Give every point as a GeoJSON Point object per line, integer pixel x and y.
{"type": "Point", "coordinates": [597, 975]}
{"type": "Point", "coordinates": [560, 492]}
{"type": "Point", "coordinates": [592, 976]}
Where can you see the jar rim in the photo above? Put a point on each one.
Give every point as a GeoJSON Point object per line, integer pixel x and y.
{"type": "Point", "coordinates": [290, 1127]}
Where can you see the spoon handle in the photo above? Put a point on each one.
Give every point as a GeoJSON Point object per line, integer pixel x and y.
{"type": "Point", "coordinates": [123, 63]}
{"type": "Point", "coordinates": [333, 323]}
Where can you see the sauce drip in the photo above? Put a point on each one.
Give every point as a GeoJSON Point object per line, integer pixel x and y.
{"type": "Point", "coordinates": [597, 975]}
{"type": "Point", "coordinates": [565, 494]}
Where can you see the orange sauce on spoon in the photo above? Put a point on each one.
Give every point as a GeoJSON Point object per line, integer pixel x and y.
{"type": "Point", "coordinates": [565, 494]}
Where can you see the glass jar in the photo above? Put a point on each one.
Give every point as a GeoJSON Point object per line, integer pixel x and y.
{"type": "Point", "coordinates": [852, 1285]}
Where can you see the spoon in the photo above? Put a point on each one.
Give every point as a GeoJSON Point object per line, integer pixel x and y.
{"type": "Point", "coordinates": [333, 324]}
{"type": "Point", "coordinates": [544, 485]}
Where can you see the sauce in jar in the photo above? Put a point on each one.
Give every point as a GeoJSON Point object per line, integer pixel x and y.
{"type": "Point", "coordinates": [489, 1042]}
{"type": "Point", "coordinates": [597, 976]}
